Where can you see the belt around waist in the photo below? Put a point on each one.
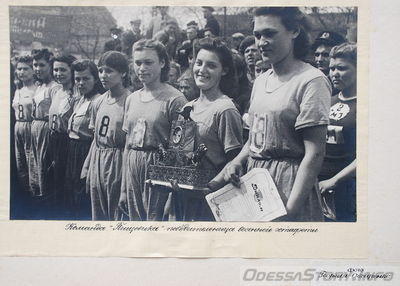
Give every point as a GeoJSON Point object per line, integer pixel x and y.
{"type": "Point", "coordinates": [81, 140]}
{"type": "Point", "coordinates": [143, 148]}
{"type": "Point", "coordinates": [21, 120]}
{"type": "Point", "coordinates": [41, 119]}
{"type": "Point", "coordinates": [282, 158]}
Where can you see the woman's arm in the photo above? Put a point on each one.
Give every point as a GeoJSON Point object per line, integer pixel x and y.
{"type": "Point", "coordinates": [314, 145]}
{"type": "Point", "coordinates": [348, 172]}
{"type": "Point", "coordinates": [232, 171]}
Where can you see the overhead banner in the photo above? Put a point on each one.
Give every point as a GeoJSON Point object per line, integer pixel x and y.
{"type": "Point", "coordinates": [28, 27]}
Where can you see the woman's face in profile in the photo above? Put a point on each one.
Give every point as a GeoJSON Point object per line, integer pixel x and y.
{"type": "Point", "coordinates": [273, 40]}
{"type": "Point", "coordinates": [342, 72]}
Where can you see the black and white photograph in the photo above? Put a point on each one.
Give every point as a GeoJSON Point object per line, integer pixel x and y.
{"type": "Point", "coordinates": [183, 114]}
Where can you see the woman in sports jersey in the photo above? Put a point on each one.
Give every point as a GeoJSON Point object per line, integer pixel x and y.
{"type": "Point", "coordinates": [59, 112]}
{"type": "Point", "coordinates": [289, 114]}
{"type": "Point", "coordinates": [338, 175]}
{"type": "Point", "coordinates": [89, 87]}
{"type": "Point", "coordinates": [149, 114]}
{"type": "Point", "coordinates": [22, 104]}
{"type": "Point", "coordinates": [42, 65]}
{"type": "Point", "coordinates": [103, 165]}
{"type": "Point", "coordinates": [218, 121]}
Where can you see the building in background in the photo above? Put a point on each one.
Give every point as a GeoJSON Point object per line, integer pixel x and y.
{"type": "Point", "coordinates": [81, 31]}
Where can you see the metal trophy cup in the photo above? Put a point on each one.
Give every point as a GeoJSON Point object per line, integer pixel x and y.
{"type": "Point", "coordinates": [180, 163]}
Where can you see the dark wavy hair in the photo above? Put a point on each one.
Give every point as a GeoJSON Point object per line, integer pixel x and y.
{"type": "Point", "coordinates": [67, 59]}
{"type": "Point", "coordinates": [28, 60]}
{"type": "Point", "coordinates": [345, 51]}
{"type": "Point", "coordinates": [293, 19]}
{"type": "Point", "coordinates": [44, 54]}
{"type": "Point", "coordinates": [82, 65]}
{"type": "Point", "coordinates": [228, 84]}
{"type": "Point", "coordinates": [161, 52]}
{"type": "Point", "coordinates": [117, 61]}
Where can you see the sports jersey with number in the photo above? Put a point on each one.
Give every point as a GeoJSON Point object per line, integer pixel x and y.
{"type": "Point", "coordinates": [61, 109]}
{"type": "Point", "coordinates": [148, 123]}
{"type": "Point", "coordinates": [107, 117]}
{"type": "Point", "coordinates": [23, 103]}
{"type": "Point", "coordinates": [78, 124]}
{"type": "Point", "coordinates": [341, 136]}
{"type": "Point", "coordinates": [277, 116]}
{"type": "Point", "coordinates": [42, 99]}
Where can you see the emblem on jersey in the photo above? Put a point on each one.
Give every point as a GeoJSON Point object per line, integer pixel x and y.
{"type": "Point", "coordinates": [335, 135]}
{"type": "Point", "coordinates": [177, 135]}
{"type": "Point", "coordinates": [257, 133]}
{"type": "Point", "coordinates": [339, 111]}
{"type": "Point", "coordinates": [138, 132]}
{"type": "Point", "coordinates": [325, 35]}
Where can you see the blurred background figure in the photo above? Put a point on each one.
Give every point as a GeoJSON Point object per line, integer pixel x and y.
{"type": "Point", "coordinates": [159, 21]}
{"type": "Point", "coordinates": [130, 37]}
{"type": "Point", "coordinates": [115, 43]}
{"type": "Point", "coordinates": [135, 83]}
{"type": "Point", "coordinates": [251, 54]}
{"type": "Point", "coordinates": [183, 51]}
{"type": "Point", "coordinates": [209, 33]}
{"type": "Point", "coordinates": [188, 87]}
{"type": "Point", "coordinates": [261, 67]}
{"type": "Point", "coordinates": [168, 37]}
{"type": "Point", "coordinates": [211, 22]}
{"type": "Point", "coordinates": [237, 38]}
{"type": "Point", "coordinates": [322, 47]}
{"type": "Point", "coordinates": [173, 74]}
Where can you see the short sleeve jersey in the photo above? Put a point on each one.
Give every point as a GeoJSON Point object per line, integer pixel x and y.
{"type": "Point", "coordinates": [219, 128]}
{"type": "Point", "coordinates": [341, 136]}
{"type": "Point", "coordinates": [78, 124]}
{"type": "Point", "coordinates": [61, 109]}
{"type": "Point", "coordinates": [276, 116]}
{"type": "Point", "coordinates": [107, 116]}
{"type": "Point", "coordinates": [23, 102]}
{"type": "Point", "coordinates": [42, 99]}
{"type": "Point", "coordinates": [148, 123]}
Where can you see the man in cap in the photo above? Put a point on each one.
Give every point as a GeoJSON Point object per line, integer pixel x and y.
{"type": "Point", "coordinates": [130, 37]}
{"type": "Point", "coordinates": [115, 43]}
{"type": "Point", "coordinates": [322, 47]}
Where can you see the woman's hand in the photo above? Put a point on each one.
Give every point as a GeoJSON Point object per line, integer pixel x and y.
{"type": "Point", "coordinates": [327, 185]}
{"type": "Point", "coordinates": [232, 173]}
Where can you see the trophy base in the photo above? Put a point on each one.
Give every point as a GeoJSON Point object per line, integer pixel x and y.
{"type": "Point", "coordinates": [187, 178]}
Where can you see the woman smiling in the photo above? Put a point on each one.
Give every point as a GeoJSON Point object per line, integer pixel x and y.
{"type": "Point", "coordinates": [59, 112]}
{"type": "Point", "coordinates": [218, 122]}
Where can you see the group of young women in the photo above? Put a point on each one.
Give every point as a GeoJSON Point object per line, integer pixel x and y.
{"type": "Point", "coordinates": [84, 142]}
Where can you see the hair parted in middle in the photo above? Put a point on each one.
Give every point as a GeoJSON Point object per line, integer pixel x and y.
{"type": "Point", "coordinates": [161, 51]}
{"type": "Point", "coordinates": [228, 83]}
